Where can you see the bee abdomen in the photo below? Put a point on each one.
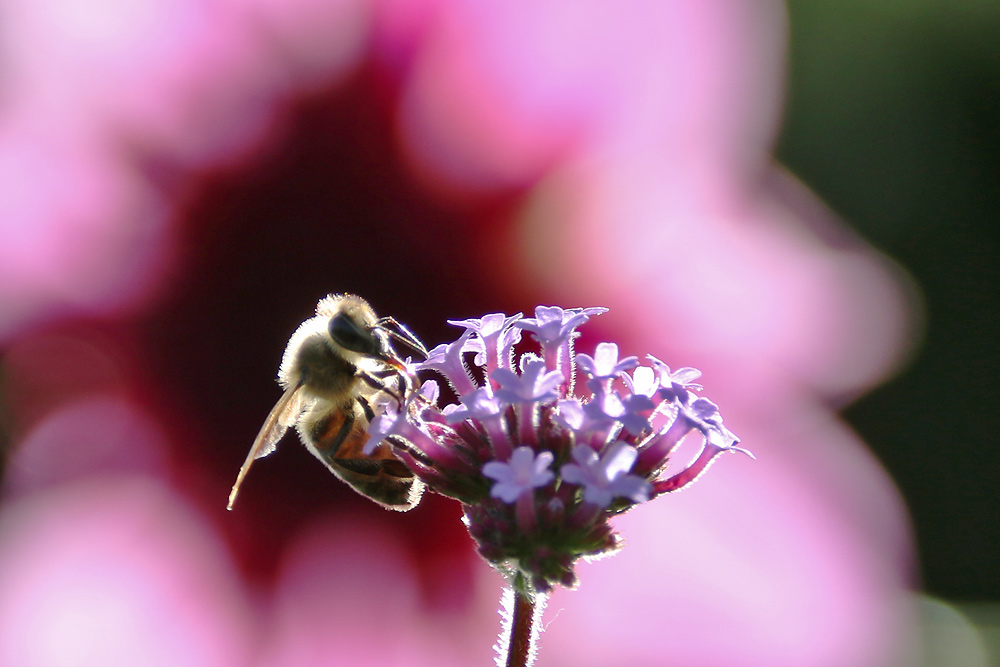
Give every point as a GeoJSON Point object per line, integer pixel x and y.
{"type": "Point", "coordinates": [390, 467]}
{"type": "Point", "coordinates": [338, 440]}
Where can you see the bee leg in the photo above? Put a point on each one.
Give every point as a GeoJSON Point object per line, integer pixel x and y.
{"type": "Point", "coordinates": [397, 443]}
{"type": "Point", "coordinates": [369, 413]}
{"type": "Point", "coordinates": [376, 382]}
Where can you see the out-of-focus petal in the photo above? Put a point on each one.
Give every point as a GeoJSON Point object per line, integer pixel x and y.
{"type": "Point", "coordinates": [317, 42]}
{"type": "Point", "coordinates": [103, 99]}
{"type": "Point", "coordinates": [729, 278]}
{"type": "Point", "coordinates": [348, 594]}
{"type": "Point", "coordinates": [78, 230]}
{"type": "Point", "coordinates": [797, 559]}
{"type": "Point", "coordinates": [499, 92]}
{"type": "Point", "coordinates": [117, 572]}
{"type": "Point", "coordinates": [98, 435]}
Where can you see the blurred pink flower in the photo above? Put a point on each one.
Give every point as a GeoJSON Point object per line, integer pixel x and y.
{"type": "Point", "coordinates": [641, 135]}
{"type": "Point", "coordinates": [116, 571]}
{"type": "Point", "coordinates": [97, 96]}
{"type": "Point", "coordinates": [347, 594]}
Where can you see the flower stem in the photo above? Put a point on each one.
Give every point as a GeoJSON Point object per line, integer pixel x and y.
{"type": "Point", "coordinates": [521, 627]}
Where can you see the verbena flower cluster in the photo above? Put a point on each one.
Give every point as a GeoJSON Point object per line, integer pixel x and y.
{"type": "Point", "coordinates": [543, 448]}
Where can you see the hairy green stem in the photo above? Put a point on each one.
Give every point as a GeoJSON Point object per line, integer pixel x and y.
{"type": "Point", "coordinates": [518, 642]}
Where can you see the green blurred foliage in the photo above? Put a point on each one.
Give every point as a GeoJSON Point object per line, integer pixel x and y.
{"type": "Point", "coordinates": [893, 117]}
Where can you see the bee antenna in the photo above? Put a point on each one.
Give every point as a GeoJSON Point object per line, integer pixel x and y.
{"type": "Point", "coordinates": [403, 335]}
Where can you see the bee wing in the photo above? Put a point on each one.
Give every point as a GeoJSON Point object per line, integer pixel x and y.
{"type": "Point", "coordinates": [284, 414]}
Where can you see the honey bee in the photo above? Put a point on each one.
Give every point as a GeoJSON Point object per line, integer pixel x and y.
{"type": "Point", "coordinates": [335, 364]}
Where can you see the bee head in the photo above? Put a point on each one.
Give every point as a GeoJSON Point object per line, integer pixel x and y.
{"type": "Point", "coordinates": [353, 327]}
{"type": "Point", "coordinates": [348, 333]}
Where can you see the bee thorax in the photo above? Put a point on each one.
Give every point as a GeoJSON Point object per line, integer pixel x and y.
{"type": "Point", "coordinates": [324, 373]}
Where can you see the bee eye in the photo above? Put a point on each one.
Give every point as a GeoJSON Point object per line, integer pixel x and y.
{"type": "Point", "coordinates": [348, 334]}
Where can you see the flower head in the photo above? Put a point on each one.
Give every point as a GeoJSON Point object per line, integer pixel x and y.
{"type": "Point", "coordinates": [539, 468]}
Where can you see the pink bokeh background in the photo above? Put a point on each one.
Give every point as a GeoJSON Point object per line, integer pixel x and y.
{"type": "Point", "coordinates": [585, 154]}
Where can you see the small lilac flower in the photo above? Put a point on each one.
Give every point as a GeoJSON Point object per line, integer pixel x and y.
{"type": "Point", "coordinates": [524, 471]}
{"type": "Point", "coordinates": [704, 409]}
{"type": "Point", "coordinates": [684, 376]}
{"type": "Point", "coordinates": [723, 439]}
{"type": "Point", "coordinates": [533, 385]}
{"type": "Point", "coordinates": [570, 414]}
{"type": "Point", "coordinates": [605, 365]}
{"type": "Point", "coordinates": [554, 330]}
{"type": "Point", "coordinates": [552, 325]}
{"type": "Point", "coordinates": [388, 421]}
{"type": "Point", "coordinates": [644, 381]}
{"type": "Point", "coordinates": [586, 429]}
{"type": "Point", "coordinates": [633, 412]}
{"type": "Point", "coordinates": [424, 403]}
{"type": "Point", "coordinates": [573, 416]}
{"type": "Point", "coordinates": [480, 404]}
{"type": "Point", "coordinates": [453, 408]}
{"type": "Point", "coordinates": [392, 421]}
{"type": "Point", "coordinates": [430, 391]}
{"type": "Point", "coordinates": [488, 326]}
{"type": "Point", "coordinates": [495, 338]}
{"type": "Point", "coordinates": [704, 416]}
{"type": "Point", "coordinates": [606, 478]}
{"type": "Point", "coordinates": [447, 360]}
{"type": "Point", "coordinates": [675, 384]}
